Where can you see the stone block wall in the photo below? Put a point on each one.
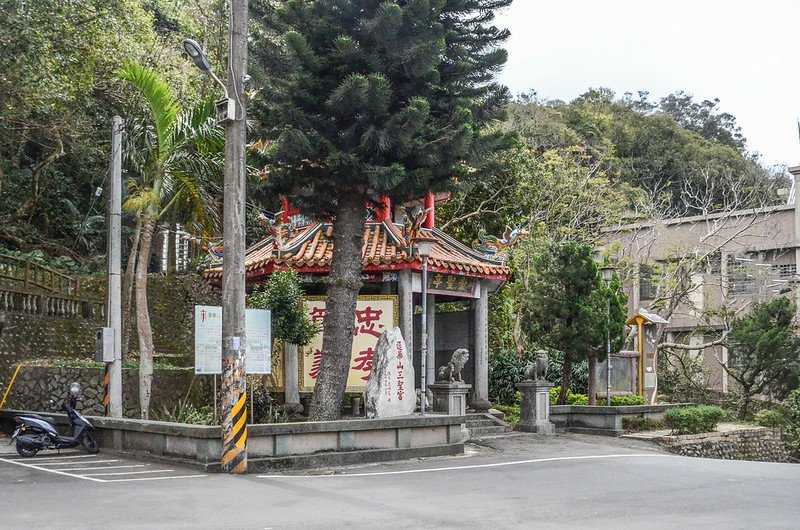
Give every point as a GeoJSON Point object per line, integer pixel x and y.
{"type": "Point", "coordinates": [759, 444]}
{"type": "Point", "coordinates": [36, 386]}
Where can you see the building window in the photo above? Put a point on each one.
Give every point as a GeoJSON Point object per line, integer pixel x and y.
{"type": "Point", "coordinates": [745, 276]}
{"type": "Point", "coordinates": [785, 271]}
{"type": "Point", "coordinates": [648, 282]}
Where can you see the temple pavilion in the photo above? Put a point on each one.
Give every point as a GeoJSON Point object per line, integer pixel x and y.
{"type": "Point", "coordinates": [392, 274]}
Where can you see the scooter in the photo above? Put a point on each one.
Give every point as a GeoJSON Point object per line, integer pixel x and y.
{"type": "Point", "coordinates": [34, 433]}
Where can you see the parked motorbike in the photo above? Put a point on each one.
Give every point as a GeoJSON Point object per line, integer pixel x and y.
{"type": "Point", "coordinates": [34, 433]}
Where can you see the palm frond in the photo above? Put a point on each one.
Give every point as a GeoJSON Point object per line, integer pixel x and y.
{"type": "Point", "coordinates": [159, 97]}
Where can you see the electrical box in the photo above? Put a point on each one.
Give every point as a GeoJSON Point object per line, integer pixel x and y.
{"type": "Point", "coordinates": [226, 110]}
{"type": "Point", "coordinates": [104, 345]}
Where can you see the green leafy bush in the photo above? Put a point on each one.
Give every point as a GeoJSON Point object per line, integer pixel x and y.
{"type": "Point", "coordinates": [511, 412]}
{"type": "Point", "coordinates": [506, 369]}
{"type": "Point", "coordinates": [694, 420]}
{"type": "Point", "coordinates": [637, 424]}
{"type": "Point", "coordinates": [771, 418]}
{"type": "Point", "coordinates": [572, 398]}
{"type": "Point", "coordinates": [186, 412]}
{"type": "Point", "coordinates": [283, 296]}
{"type": "Point", "coordinates": [626, 401]}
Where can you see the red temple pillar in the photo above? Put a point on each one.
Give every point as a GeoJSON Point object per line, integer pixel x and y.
{"type": "Point", "coordinates": [430, 221]}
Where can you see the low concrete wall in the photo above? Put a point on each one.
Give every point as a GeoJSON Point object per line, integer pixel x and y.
{"type": "Point", "coordinates": [758, 443]}
{"type": "Point", "coordinates": [601, 419]}
{"type": "Point", "coordinates": [285, 445]}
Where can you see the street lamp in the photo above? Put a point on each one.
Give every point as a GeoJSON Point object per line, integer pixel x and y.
{"type": "Point", "coordinates": [424, 245]}
{"type": "Point", "coordinates": [608, 274]}
{"type": "Point", "coordinates": [226, 107]}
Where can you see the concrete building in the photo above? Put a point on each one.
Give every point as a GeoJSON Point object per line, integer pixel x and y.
{"type": "Point", "coordinates": [692, 270]}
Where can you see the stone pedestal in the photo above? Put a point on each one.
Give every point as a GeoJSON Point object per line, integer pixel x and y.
{"type": "Point", "coordinates": [450, 398]}
{"type": "Point", "coordinates": [534, 413]}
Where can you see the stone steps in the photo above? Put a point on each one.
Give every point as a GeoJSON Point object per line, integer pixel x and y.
{"type": "Point", "coordinates": [484, 425]}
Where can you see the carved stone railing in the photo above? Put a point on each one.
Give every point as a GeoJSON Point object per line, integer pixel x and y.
{"type": "Point", "coordinates": [26, 275]}
{"type": "Point", "coordinates": [50, 305]}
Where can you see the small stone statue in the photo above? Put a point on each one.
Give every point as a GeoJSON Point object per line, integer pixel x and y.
{"type": "Point", "coordinates": [536, 370]}
{"type": "Point", "coordinates": [451, 372]}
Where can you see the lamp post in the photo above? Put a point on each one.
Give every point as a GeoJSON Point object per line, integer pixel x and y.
{"type": "Point", "coordinates": [234, 387]}
{"type": "Point", "coordinates": [608, 274]}
{"type": "Point", "coordinates": [424, 245]}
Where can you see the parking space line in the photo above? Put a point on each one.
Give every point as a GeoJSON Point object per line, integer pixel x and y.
{"type": "Point", "coordinates": [76, 463]}
{"type": "Point", "coordinates": [149, 478]}
{"type": "Point", "coordinates": [129, 472]}
{"type": "Point", "coordinates": [51, 457]}
{"type": "Point", "coordinates": [105, 467]}
{"type": "Point", "coordinates": [55, 471]}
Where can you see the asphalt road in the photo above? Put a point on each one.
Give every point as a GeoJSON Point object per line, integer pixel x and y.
{"type": "Point", "coordinates": [522, 481]}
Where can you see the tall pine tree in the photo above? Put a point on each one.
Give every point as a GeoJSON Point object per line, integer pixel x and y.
{"type": "Point", "coordinates": [365, 98]}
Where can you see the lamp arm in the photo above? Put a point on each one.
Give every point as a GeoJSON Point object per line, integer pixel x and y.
{"type": "Point", "coordinates": [224, 88]}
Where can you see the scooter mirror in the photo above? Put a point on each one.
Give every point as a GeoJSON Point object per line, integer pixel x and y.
{"type": "Point", "coordinates": [74, 390]}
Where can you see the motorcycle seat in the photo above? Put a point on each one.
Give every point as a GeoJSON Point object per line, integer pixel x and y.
{"type": "Point", "coordinates": [48, 419]}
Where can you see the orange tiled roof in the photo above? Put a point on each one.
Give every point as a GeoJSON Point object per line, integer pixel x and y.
{"type": "Point", "coordinates": [385, 248]}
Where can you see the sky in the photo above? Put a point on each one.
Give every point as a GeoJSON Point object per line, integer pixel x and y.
{"type": "Point", "coordinates": [745, 53]}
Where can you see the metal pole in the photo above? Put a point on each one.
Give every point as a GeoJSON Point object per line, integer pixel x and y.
{"type": "Point", "coordinates": [114, 269]}
{"type": "Point", "coordinates": [608, 351]}
{"type": "Point", "coordinates": [234, 391]}
{"type": "Point", "coordinates": [424, 346]}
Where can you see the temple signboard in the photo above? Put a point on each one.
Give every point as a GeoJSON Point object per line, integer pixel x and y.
{"type": "Point", "coordinates": [451, 284]}
{"type": "Point", "coordinates": [374, 314]}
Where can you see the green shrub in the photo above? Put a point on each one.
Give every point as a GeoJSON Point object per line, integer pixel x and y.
{"type": "Point", "coordinates": [637, 424]}
{"type": "Point", "coordinates": [771, 418]}
{"type": "Point", "coordinates": [185, 412]}
{"type": "Point", "coordinates": [693, 420]}
{"type": "Point", "coordinates": [572, 399]}
{"type": "Point", "coordinates": [506, 369]}
{"type": "Point", "coordinates": [626, 401]}
{"type": "Point", "coordinates": [511, 412]}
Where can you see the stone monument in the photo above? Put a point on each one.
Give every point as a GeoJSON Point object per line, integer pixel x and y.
{"type": "Point", "coordinates": [534, 412]}
{"type": "Point", "coordinates": [390, 390]}
{"type": "Point", "coordinates": [449, 390]}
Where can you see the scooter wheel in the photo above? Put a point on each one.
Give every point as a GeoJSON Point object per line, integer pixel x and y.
{"type": "Point", "coordinates": [90, 445]}
{"type": "Point", "coordinates": [26, 451]}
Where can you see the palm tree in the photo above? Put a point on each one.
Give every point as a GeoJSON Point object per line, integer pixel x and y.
{"type": "Point", "coordinates": [179, 169]}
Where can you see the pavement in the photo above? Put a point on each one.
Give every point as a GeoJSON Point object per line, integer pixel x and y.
{"type": "Point", "coordinates": [514, 481]}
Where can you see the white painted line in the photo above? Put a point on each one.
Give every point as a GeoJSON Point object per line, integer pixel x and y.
{"type": "Point", "coordinates": [104, 467]}
{"type": "Point", "coordinates": [128, 472]}
{"type": "Point", "coordinates": [478, 466]}
{"type": "Point", "coordinates": [55, 471]}
{"type": "Point", "coordinates": [149, 478]}
{"type": "Point", "coordinates": [76, 463]}
{"type": "Point", "coordinates": [51, 457]}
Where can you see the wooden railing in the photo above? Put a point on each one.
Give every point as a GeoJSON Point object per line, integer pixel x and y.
{"type": "Point", "coordinates": [29, 275]}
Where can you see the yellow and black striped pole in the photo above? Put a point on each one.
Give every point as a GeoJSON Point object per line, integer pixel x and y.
{"type": "Point", "coordinates": [234, 450]}
{"type": "Point", "coordinates": [105, 390]}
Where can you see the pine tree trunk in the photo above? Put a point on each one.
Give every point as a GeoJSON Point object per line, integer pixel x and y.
{"type": "Point", "coordinates": [127, 297]}
{"type": "Point", "coordinates": [566, 380]}
{"type": "Point", "coordinates": [344, 285]}
{"type": "Point", "coordinates": [143, 327]}
{"type": "Point", "coordinates": [592, 379]}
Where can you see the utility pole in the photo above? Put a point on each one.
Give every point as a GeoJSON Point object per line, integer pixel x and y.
{"type": "Point", "coordinates": [234, 386]}
{"type": "Point", "coordinates": [114, 269]}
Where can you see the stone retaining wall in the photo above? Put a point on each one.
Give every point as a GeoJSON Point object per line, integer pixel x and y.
{"type": "Point", "coordinates": [759, 443]}
{"type": "Point", "coordinates": [36, 386]}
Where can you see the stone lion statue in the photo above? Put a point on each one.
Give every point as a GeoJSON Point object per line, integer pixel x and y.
{"type": "Point", "coordinates": [536, 370]}
{"type": "Point", "coordinates": [451, 372]}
